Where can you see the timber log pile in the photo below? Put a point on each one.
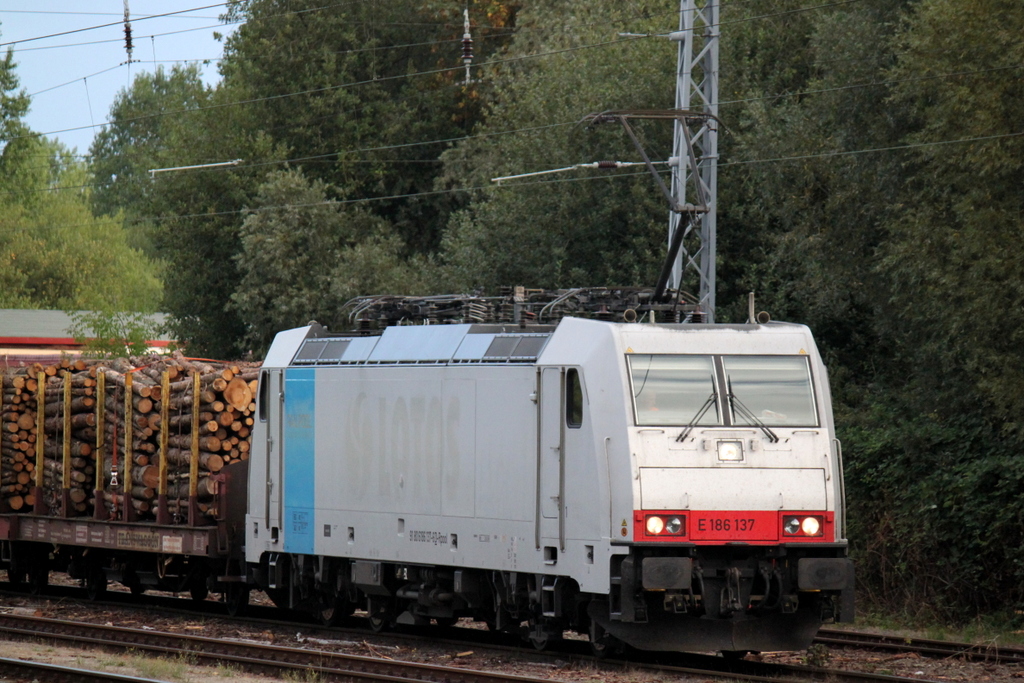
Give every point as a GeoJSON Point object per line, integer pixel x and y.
{"type": "Point", "coordinates": [112, 444]}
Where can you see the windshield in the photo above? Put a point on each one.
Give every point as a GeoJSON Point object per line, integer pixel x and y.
{"type": "Point", "coordinates": [672, 390]}
{"type": "Point", "coordinates": [776, 390]}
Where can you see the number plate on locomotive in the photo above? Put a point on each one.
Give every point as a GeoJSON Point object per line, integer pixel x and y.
{"type": "Point", "coordinates": [734, 526]}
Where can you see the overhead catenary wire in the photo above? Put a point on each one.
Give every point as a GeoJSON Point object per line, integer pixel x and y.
{"type": "Point", "coordinates": [494, 188]}
{"type": "Point", "coordinates": [113, 23]}
{"type": "Point", "coordinates": [307, 10]}
{"type": "Point", "coordinates": [313, 158]}
{"type": "Point", "coordinates": [313, 91]}
{"type": "Point", "coordinates": [334, 155]}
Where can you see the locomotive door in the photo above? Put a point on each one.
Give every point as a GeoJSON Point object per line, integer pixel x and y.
{"type": "Point", "coordinates": [275, 444]}
{"type": "Point", "coordinates": [550, 459]}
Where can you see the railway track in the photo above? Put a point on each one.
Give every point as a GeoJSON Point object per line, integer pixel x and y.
{"type": "Point", "coordinates": [289, 661]}
{"type": "Point", "coordinates": [285, 659]}
{"type": "Point", "coordinates": [255, 657]}
{"type": "Point", "coordinates": [922, 646]}
{"type": "Point", "coordinates": [18, 669]}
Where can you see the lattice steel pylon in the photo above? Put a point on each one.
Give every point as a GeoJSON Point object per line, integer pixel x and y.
{"type": "Point", "coordinates": [696, 91]}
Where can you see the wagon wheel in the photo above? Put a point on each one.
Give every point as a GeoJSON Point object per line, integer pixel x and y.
{"type": "Point", "coordinates": [16, 573]}
{"type": "Point", "coordinates": [236, 597]}
{"type": "Point", "coordinates": [198, 590]}
{"type": "Point", "coordinates": [96, 583]}
{"type": "Point", "coordinates": [38, 578]}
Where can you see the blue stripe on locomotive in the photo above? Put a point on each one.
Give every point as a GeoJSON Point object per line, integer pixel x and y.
{"type": "Point", "coordinates": [299, 459]}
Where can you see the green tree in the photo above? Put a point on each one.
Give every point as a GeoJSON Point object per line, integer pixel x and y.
{"type": "Point", "coordinates": [348, 88]}
{"type": "Point", "coordinates": [135, 141]}
{"type": "Point", "coordinates": [954, 261]}
{"type": "Point", "coordinates": [584, 228]}
{"type": "Point", "coordinates": [113, 334]}
{"type": "Point", "coordinates": [303, 256]}
{"type": "Point", "coordinates": [55, 254]}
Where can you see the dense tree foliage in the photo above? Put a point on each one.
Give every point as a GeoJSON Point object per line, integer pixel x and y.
{"type": "Point", "coordinates": [575, 230]}
{"type": "Point", "coordinates": [54, 254]}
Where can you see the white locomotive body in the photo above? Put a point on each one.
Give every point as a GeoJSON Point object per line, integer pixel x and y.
{"type": "Point", "coordinates": [667, 486]}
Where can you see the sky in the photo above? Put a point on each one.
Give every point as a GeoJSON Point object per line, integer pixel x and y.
{"type": "Point", "coordinates": [74, 78]}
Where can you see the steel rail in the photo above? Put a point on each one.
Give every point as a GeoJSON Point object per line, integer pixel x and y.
{"type": "Point", "coordinates": [278, 660]}
{"type": "Point", "coordinates": [20, 669]}
{"type": "Point", "coordinates": [923, 646]}
{"type": "Point", "coordinates": [252, 656]}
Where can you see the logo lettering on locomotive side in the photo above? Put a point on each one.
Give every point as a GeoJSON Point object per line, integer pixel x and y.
{"type": "Point", "coordinates": [298, 420]}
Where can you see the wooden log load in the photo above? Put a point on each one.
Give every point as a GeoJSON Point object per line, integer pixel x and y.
{"type": "Point", "coordinates": [74, 435]}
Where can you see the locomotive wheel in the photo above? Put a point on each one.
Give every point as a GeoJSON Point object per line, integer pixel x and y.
{"type": "Point", "coordinates": [333, 610]}
{"type": "Point", "coordinates": [540, 641]}
{"type": "Point", "coordinates": [381, 614]}
{"type": "Point", "coordinates": [540, 637]}
{"type": "Point", "coordinates": [600, 641]}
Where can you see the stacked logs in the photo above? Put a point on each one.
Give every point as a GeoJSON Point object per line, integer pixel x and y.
{"type": "Point", "coordinates": [114, 423]}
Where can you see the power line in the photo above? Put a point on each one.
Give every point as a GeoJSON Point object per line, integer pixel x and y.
{"type": "Point", "coordinates": [873, 84]}
{"type": "Point", "coordinates": [873, 150]}
{"type": "Point", "coordinates": [609, 176]}
{"type": "Point", "coordinates": [332, 88]}
{"type": "Point", "coordinates": [114, 23]}
{"type": "Point", "coordinates": [334, 156]}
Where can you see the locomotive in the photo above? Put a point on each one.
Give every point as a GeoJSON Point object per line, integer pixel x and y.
{"type": "Point", "coordinates": [542, 462]}
{"type": "Point", "coordinates": [671, 486]}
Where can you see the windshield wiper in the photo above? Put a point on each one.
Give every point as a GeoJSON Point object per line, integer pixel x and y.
{"type": "Point", "coordinates": [712, 399]}
{"type": "Point", "coordinates": [745, 412]}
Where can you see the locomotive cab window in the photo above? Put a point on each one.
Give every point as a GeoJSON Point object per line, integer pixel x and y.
{"type": "Point", "coordinates": [674, 390]}
{"type": "Point", "coordinates": [573, 399]}
{"type": "Point", "coordinates": [773, 390]}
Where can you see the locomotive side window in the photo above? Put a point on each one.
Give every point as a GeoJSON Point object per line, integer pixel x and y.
{"type": "Point", "coordinates": [264, 406]}
{"type": "Point", "coordinates": [776, 390]}
{"type": "Point", "coordinates": [573, 399]}
{"type": "Point", "coordinates": [674, 390]}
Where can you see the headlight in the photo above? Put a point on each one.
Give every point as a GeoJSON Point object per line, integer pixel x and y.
{"type": "Point", "coordinates": [665, 524]}
{"type": "Point", "coordinates": [802, 526]}
{"type": "Point", "coordinates": [730, 451]}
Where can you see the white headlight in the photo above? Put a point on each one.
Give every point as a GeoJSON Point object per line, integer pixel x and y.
{"type": "Point", "coordinates": [730, 451]}
{"type": "Point", "coordinates": [655, 525]}
{"type": "Point", "coordinates": [810, 526]}
{"type": "Point", "coordinates": [674, 526]}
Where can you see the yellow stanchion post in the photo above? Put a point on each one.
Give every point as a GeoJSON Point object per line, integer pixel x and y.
{"type": "Point", "coordinates": [100, 506]}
